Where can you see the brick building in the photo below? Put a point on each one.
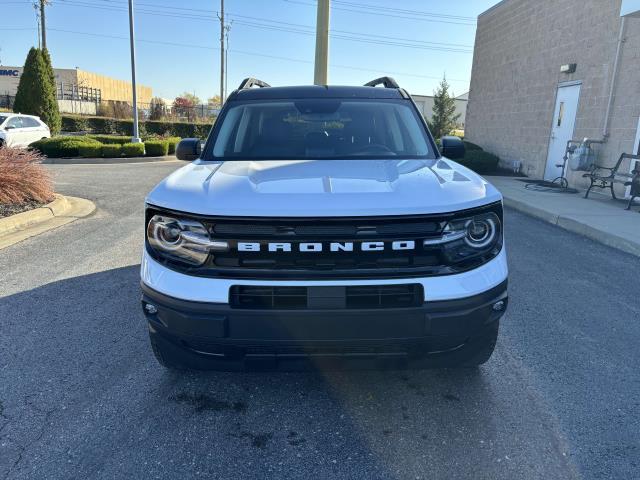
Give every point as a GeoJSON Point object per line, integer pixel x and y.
{"type": "Point", "coordinates": [548, 71]}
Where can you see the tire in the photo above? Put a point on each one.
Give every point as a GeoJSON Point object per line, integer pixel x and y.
{"type": "Point", "coordinates": [167, 355]}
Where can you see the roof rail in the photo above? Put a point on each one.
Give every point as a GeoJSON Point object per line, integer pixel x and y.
{"type": "Point", "coordinates": [252, 82]}
{"type": "Point", "coordinates": [388, 82]}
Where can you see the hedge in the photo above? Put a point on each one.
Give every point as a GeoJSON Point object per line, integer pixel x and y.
{"type": "Point", "coordinates": [173, 143]}
{"type": "Point", "coordinates": [133, 149]}
{"type": "Point", "coordinates": [480, 161]}
{"type": "Point", "coordinates": [113, 126]}
{"type": "Point", "coordinates": [58, 147]}
{"type": "Point", "coordinates": [112, 151]}
{"type": "Point", "coordinates": [156, 148]}
{"type": "Point", "coordinates": [90, 151]}
{"type": "Point", "coordinates": [111, 139]}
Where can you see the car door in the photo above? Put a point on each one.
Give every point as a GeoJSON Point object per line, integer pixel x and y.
{"type": "Point", "coordinates": [14, 131]}
{"type": "Point", "coordinates": [32, 130]}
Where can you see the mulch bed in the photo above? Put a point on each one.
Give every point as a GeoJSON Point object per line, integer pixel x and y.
{"type": "Point", "coordinates": [6, 210]}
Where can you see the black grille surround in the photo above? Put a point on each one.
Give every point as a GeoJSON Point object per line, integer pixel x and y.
{"type": "Point", "coordinates": [422, 261]}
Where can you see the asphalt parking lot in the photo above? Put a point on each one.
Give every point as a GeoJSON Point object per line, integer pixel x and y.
{"type": "Point", "coordinates": [81, 395]}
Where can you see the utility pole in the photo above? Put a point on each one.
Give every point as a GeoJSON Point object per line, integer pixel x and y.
{"type": "Point", "coordinates": [226, 58]}
{"type": "Point", "coordinates": [320, 76]}
{"type": "Point", "coordinates": [36, 8]}
{"type": "Point", "coordinates": [222, 52]}
{"type": "Point", "coordinates": [43, 4]}
{"type": "Point", "coordinates": [136, 137]}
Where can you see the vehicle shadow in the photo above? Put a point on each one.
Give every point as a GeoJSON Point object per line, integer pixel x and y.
{"type": "Point", "coordinates": [79, 385]}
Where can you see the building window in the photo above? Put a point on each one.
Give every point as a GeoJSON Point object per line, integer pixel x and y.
{"type": "Point", "coordinates": [560, 114]}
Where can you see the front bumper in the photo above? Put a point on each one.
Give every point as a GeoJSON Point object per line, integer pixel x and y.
{"type": "Point", "coordinates": [227, 338]}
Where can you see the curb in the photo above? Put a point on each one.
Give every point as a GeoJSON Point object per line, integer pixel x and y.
{"type": "Point", "coordinates": [61, 211]}
{"type": "Point", "coordinates": [106, 161]}
{"type": "Point", "coordinates": [575, 226]}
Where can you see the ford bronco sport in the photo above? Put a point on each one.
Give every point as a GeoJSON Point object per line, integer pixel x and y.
{"type": "Point", "coordinates": [322, 225]}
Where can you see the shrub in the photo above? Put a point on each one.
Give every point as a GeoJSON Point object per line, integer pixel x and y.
{"type": "Point", "coordinates": [90, 150]}
{"type": "Point", "coordinates": [58, 147]}
{"type": "Point", "coordinates": [156, 148]}
{"type": "Point", "coordinates": [173, 143]}
{"type": "Point", "coordinates": [112, 151]}
{"type": "Point", "coordinates": [471, 146]}
{"type": "Point", "coordinates": [74, 124]}
{"type": "Point", "coordinates": [133, 149]}
{"type": "Point", "coordinates": [113, 126]}
{"type": "Point", "coordinates": [23, 177]}
{"type": "Point", "coordinates": [480, 161]}
{"type": "Point", "coordinates": [111, 139]}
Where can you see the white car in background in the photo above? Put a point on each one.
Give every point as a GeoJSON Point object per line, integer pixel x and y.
{"type": "Point", "coordinates": [17, 130]}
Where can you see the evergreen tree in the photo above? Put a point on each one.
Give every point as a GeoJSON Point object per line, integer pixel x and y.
{"type": "Point", "coordinates": [52, 117]}
{"type": "Point", "coordinates": [36, 91]}
{"type": "Point", "coordinates": [444, 118]}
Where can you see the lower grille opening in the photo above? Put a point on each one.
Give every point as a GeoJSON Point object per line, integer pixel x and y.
{"type": "Point", "coordinates": [351, 297]}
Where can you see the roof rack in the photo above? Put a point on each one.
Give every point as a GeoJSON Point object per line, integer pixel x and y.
{"type": "Point", "coordinates": [388, 82]}
{"type": "Point", "coordinates": [252, 82]}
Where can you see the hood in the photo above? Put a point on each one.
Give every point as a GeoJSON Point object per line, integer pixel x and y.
{"type": "Point", "coordinates": [323, 188]}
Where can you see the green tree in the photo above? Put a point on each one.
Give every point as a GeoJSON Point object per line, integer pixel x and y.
{"type": "Point", "coordinates": [52, 118]}
{"type": "Point", "coordinates": [444, 118]}
{"type": "Point", "coordinates": [36, 93]}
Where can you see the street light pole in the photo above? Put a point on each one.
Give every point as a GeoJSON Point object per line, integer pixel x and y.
{"type": "Point", "coordinates": [320, 76]}
{"type": "Point", "coordinates": [136, 136]}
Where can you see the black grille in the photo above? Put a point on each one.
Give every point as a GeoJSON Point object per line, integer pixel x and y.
{"type": "Point", "coordinates": [326, 231]}
{"type": "Point", "coordinates": [323, 228]}
{"type": "Point", "coordinates": [351, 297]}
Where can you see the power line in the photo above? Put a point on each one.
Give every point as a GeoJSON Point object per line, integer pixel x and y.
{"type": "Point", "coordinates": [300, 29]}
{"type": "Point", "coordinates": [240, 52]}
{"type": "Point", "coordinates": [368, 11]}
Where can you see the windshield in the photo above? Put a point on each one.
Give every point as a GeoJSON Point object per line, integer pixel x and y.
{"type": "Point", "coordinates": [3, 118]}
{"type": "Point", "coordinates": [320, 129]}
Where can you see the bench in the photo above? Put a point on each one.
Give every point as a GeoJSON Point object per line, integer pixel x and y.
{"type": "Point", "coordinates": [608, 177]}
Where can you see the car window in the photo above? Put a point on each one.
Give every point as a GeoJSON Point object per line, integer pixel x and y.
{"type": "Point", "coordinates": [320, 129]}
{"type": "Point", "coordinates": [15, 122]}
{"type": "Point", "coordinates": [3, 118]}
{"type": "Point", "coordinates": [30, 122]}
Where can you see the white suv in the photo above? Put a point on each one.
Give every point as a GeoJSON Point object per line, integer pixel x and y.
{"type": "Point", "coordinates": [323, 225]}
{"type": "Point", "coordinates": [17, 130]}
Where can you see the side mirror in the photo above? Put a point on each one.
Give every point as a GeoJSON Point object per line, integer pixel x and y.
{"type": "Point", "coordinates": [452, 147]}
{"type": "Point", "coordinates": [9, 127]}
{"type": "Point", "coordinates": [189, 149]}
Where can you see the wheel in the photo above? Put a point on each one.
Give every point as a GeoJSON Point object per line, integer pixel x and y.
{"type": "Point", "coordinates": [168, 355]}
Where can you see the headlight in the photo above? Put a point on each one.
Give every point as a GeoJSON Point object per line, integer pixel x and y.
{"type": "Point", "coordinates": [181, 239]}
{"type": "Point", "coordinates": [471, 237]}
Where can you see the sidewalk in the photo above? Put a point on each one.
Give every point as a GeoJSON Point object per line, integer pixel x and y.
{"type": "Point", "coordinates": [598, 217]}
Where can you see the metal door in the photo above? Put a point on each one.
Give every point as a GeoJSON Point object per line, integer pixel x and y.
{"type": "Point", "coordinates": [564, 121]}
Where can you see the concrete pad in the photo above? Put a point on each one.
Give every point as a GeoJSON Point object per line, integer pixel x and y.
{"type": "Point", "coordinates": [598, 217]}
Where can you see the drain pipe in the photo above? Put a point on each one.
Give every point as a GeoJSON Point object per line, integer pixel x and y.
{"type": "Point", "coordinates": [614, 80]}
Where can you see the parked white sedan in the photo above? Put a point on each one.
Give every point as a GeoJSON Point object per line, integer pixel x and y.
{"type": "Point", "coordinates": [17, 130]}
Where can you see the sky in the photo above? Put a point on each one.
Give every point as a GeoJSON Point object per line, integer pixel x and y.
{"type": "Point", "coordinates": [178, 43]}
